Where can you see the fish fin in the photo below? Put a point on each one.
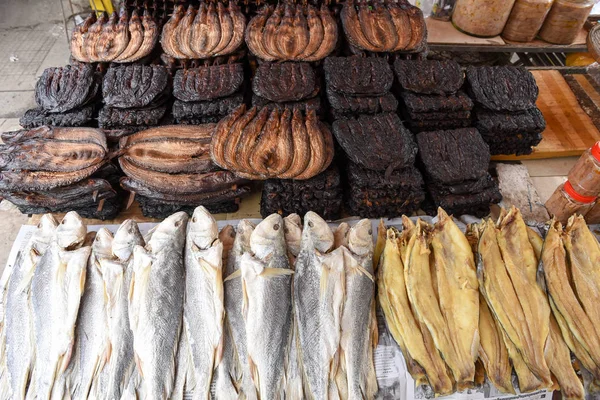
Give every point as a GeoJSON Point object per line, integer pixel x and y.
{"type": "Point", "coordinates": [276, 272]}
{"type": "Point", "coordinates": [142, 261]}
{"type": "Point", "coordinates": [375, 329]}
{"type": "Point", "coordinates": [254, 373]}
{"type": "Point", "coordinates": [234, 275]}
{"type": "Point", "coordinates": [324, 281]}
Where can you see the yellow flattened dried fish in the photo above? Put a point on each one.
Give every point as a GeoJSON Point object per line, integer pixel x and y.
{"type": "Point", "coordinates": [583, 252]}
{"type": "Point", "coordinates": [560, 364]}
{"type": "Point", "coordinates": [536, 242]}
{"type": "Point", "coordinates": [495, 285]}
{"type": "Point", "coordinates": [458, 292]}
{"type": "Point", "coordinates": [565, 302]}
{"type": "Point", "coordinates": [521, 264]}
{"type": "Point", "coordinates": [492, 350]}
{"type": "Point", "coordinates": [402, 323]}
{"type": "Point", "coordinates": [421, 287]}
{"type": "Point", "coordinates": [379, 244]}
{"type": "Point", "coordinates": [527, 380]}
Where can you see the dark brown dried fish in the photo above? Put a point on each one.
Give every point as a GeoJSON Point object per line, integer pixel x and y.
{"type": "Point", "coordinates": [43, 180]}
{"type": "Point", "coordinates": [171, 156]}
{"type": "Point", "coordinates": [281, 82]}
{"type": "Point", "coordinates": [208, 83]}
{"type": "Point", "coordinates": [87, 135]}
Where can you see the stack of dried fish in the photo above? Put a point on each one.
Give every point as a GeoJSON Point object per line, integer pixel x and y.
{"type": "Point", "coordinates": [208, 93]}
{"type": "Point", "coordinates": [117, 39]}
{"type": "Point", "coordinates": [260, 144]}
{"type": "Point", "coordinates": [170, 169]}
{"type": "Point", "coordinates": [384, 26]}
{"type": "Point", "coordinates": [215, 29]}
{"type": "Point", "coordinates": [134, 97]}
{"type": "Point", "coordinates": [517, 322]}
{"type": "Point", "coordinates": [431, 95]}
{"type": "Point", "coordinates": [321, 194]}
{"type": "Point", "coordinates": [505, 112]}
{"type": "Point", "coordinates": [292, 32]}
{"type": "Point", "coordinates": [569, 260]}
{"type": "Point", "coordinates": [65, 97]}
{"type": "Point", "coordinates": [286, 85]}
{"type": "Point", "coordinates": [428, 291]}
{"type": "Point", "coordinates": [381, 176]}
{"type": "Point", "coordinates": [455, 164]}
{"type": "Point", "coordinates": [56, 170]}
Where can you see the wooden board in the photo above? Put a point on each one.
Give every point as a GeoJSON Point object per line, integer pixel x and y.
{"type": "Point", "coordinates": [570, 130]}
{"type": "Point", "coordinates": [443, 32]}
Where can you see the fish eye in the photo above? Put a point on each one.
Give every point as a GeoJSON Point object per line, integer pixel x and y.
{"type": "Point", "coordinates": [177, 224]}
{"type": "Point", "coordinates": [286, 230]}
{"type": "Point", "coordinates": [276, 227]}
{"type": "Point", "coordinates": [370, 231]}
{"type": "Point", "coordinates": [311, 224]}
{"type": "Point", "coordinates": [194, 220]}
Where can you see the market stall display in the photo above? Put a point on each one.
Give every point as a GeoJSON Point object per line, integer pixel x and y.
{"type": "Point", "coordinates": [134, 97]}
{"type": "Point", "coordinates": [208, 93]}
{"type": "Point", "coordinates": [116, 39]}
{"type": "Point", "coordinates": [169, 169]}
{"type": "Point", "coordinates": [455, 165]}
{"type": "Point", "coordinates": [506, 114]}
{"type": "Point", "coordinates": [65, 96]}
{"type": "Point", "coordinates": [431, 95]}
{"type": "Point", "coordinates": [292, 32]}
{"type": "Point", "coordinates": [52, 169]}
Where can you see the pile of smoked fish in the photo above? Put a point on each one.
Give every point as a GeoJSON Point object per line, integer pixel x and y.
{"type": "Point", "coordinates": [170, 169]}
{"type": "Point", "coordinates": [497, 299]}
{"type": "Point", "coordinates": [59, 169]}
{"type": "Point", "coordinates": [65, 96]}
{"type": "Point", "coordinates": [281, 309]}
{"type": "Point", "coordinates": [119, 38]}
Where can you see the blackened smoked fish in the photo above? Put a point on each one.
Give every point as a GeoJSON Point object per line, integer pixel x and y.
{"type": "Point", "coordinates": [134, 86]}
{"type": "Point", "coordinates": [281, 82]}
{"type": "Point", "coordinates": [376, 142]}
{"type": "Point", "coordinates": [66, 88]}
{"type": "Point", "coordinates": [429, 76]}
{"type": "Point", "coordinates": [208, 83]}
{"type": "Point", "coordinates": [360, 76]}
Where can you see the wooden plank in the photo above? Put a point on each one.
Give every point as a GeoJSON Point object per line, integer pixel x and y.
{"type": "Point", "coordinates": [570, 130]}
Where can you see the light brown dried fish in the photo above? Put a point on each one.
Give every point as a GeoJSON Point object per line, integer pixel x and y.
{"type": "Point", "coordinates": [92, 38]}
{"type": "Point", "coordinates": [78, 38]}
{"type": "Point", "coordinates": [254, 34]}
{"type": "Point", "coordinates": [150, 37]}
{"type": "Point", "coordinates": [235, 134]}
{"type": "Point", "coordinates": [402, 23]}
{"type": "Point", "coordinates": [217, 145]}
{"type": "Point", "coordinates": [352, 27]}
{"type": "Point", "coordinates": [315, 33]}
{"type": "Point", "coordinates": [183, 33]}
{"type": "Point", "coordinates": [79, 134]}
{"type": "Point", "coordinates": [213, 33]}
{"type": "Point", "coordinates": [136, 37]}
{"type": "Point", "coordinates": [330, 36]}
{"type": "Point", "coordinates": [301, 146]}
{"type": "Point", "coordinates": [417, 27]}
{"type": "Point", "coordinates": [239, 27]}
{"type": "Point", "coordinates": [266, 142]}
{"type": "Point", "coordinates": [247, 143]}
{"type": "Point", "coordinates": [107, 37]}
{"type": "Point", "coordinates": [168, 38]}
{"type": "Point", "coordinates": [171, 156]}
{"type": "Point", "coordinates": [201, 133]}
{"type": "Point", "coordinates": [269, 36]}
{"type": "Point", "coordinates": [42, 180]}
{"type": "Point", "coordinates": [118, 42]}
{"type": "Point", "coordinates": [226, 24]}
{"type": "Point", "coordinates": [318, 157]}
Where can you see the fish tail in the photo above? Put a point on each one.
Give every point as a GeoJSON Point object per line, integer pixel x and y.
{"type": "Point", "coordinates": [5, 390]}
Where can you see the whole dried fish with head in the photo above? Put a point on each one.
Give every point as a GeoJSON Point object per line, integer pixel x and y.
{"type": "Point", "coordinates": [156, 297]}
{"type": "Point", "coordinates": [267, 306]}
{"type": "Point", "coordinates": [203, 310]}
